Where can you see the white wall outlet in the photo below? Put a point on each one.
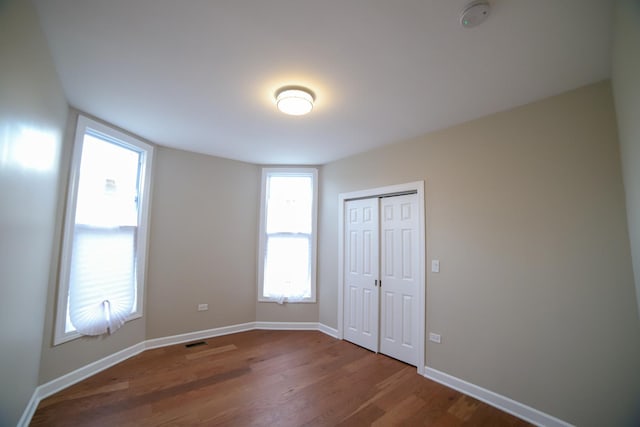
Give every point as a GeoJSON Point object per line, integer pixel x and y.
{"type": "Point", "coordinates": [203, 307]}
{"type": "Point", "coordinates": [434, 337]}
{"type": "Point", "coordinates": [435, 266]}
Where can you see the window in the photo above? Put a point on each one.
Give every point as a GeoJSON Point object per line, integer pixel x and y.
{"type": "Point", "coordinates": [105, 235]}
{"type": "Point", "coordinates": [287, 254]}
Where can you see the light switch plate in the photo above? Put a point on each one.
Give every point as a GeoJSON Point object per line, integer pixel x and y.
{"type": "Point", "coordinates": [435, 337]}
{"type": "Point", "coordinates": [435, 266]}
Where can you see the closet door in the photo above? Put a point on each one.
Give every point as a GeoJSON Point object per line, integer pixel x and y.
{"type": "Point", "coordinates": [400, 275]}
{"type": "Point", "coordinates": [361, 266]}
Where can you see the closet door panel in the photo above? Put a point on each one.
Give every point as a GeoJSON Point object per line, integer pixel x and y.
{"type": "Point", "coordinates": [399, 310]}
{"type": "Point", "coordinates": [361, 298]}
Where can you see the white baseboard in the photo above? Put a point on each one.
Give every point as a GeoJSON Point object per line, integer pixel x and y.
{"type": "Point", "coordinates": [287, 326]}
{"type": "Point", "coordinates": [198, 335]}
{"type": "Point", "coordinates": [47, 389]}
{"type": "Point", "coordinates": [503, 403]}
{"type": "Point", "coordinates": [292, 326]}
{"type": "Point", "coordinates": [328, 330]}
{"type": "Point", "coordinates": [60, 383]}
{"type": "Point", "coordinates": [25, 419]}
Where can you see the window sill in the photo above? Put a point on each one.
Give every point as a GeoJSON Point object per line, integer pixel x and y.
{"type": "Point", "coordinates": [274, 300]}
{"type": "Point", "coordinates": [70, 336]}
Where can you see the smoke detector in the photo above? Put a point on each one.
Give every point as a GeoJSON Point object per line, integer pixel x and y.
{"type": "Point", "coordinates": [475, 13]}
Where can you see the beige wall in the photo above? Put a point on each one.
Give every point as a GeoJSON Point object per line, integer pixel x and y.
{"type": "Point", "coordinates": [272, 312]}
{"type": "Point", "coordinates": [64, 358]}
{"type": "Point", "coordinates": [32, 118]}
{"type": "Point", "coordinates": [204, 237]}
{"type": "Point", "coordinates": [203, 243]}
{"type": "Point", "coordinates": [202, 249]}
{"type": "Point", "coordinates": [525, 211]}
{"type": "Point", "coordinates": [626, 90]}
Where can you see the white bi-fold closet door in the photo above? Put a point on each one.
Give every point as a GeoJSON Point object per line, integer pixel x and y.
{"type": "Point", "coordinates": [381, 269]}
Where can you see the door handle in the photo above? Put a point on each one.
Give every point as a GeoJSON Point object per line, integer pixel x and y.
{"type": "Point", "coordinates": [376, 283]}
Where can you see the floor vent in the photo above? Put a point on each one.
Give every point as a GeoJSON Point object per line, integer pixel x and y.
{"type": "Point", "coordinates": [195, 344]}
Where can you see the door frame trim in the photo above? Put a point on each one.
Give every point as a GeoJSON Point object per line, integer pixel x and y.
{"type": "Point", "coordinates": [418, 187]}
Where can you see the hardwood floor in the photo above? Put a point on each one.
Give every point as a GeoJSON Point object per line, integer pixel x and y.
{"type": "Point", "coordinates": [264, 378]}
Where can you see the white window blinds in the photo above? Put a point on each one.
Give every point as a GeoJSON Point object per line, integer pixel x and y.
{"type": "Point", "coordinates": [102, 283]}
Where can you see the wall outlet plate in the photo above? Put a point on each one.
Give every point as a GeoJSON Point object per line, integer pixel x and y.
{"type": "Point", "coordinates": [203, 307]}
{"type": "Point", "coordinates": [435, 337]}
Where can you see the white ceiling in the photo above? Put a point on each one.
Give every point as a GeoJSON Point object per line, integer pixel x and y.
{"type": "Point", "coordinates": [200, 74]}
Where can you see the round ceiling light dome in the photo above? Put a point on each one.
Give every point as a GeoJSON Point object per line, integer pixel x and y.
{"type": "Point", "coordinates": [294, 100]}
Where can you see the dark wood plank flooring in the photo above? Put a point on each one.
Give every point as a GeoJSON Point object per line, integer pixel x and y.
{"type": "Point", "coordinates": [264, 378]}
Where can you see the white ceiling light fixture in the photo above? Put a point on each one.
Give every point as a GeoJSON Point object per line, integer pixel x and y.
{"type": "Point", "coordinates": [475, 13]}
{"type": "Point", "coordinates": [295, 100]}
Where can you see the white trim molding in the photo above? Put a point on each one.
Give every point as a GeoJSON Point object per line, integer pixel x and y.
{"type": "Point", "coordinates": [47, 389]}
{"type": "Point", "coordinates": [89, 127]}
{"type": "Point", "coordinates": [263, 235]}
{"type": "Point", "coordinates": [418, 187]}
{"type": "Point", "coordinates": [198, 335]}
{"type": "Point", "coordinates": [287, 326]}
{"type": "Point", "coordinates": [496, 400]}
{"type": "Point", "coordinates": [25, 419]}
{"type": "Point", "coordinates": [328, 330]}
{"type": "Point", "coordinates": [300, 326]}
{"type": "Point", "coordinates": [86, 371]}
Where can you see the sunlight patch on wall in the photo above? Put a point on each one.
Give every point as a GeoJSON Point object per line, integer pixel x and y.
{"type": "Point", "coordinates": [26, 147]}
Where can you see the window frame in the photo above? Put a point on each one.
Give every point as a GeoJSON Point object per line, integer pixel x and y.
{"type": "Point", "coordinates": [85, 126]}
{"type": "Point", "coordinates": [262, 245]}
